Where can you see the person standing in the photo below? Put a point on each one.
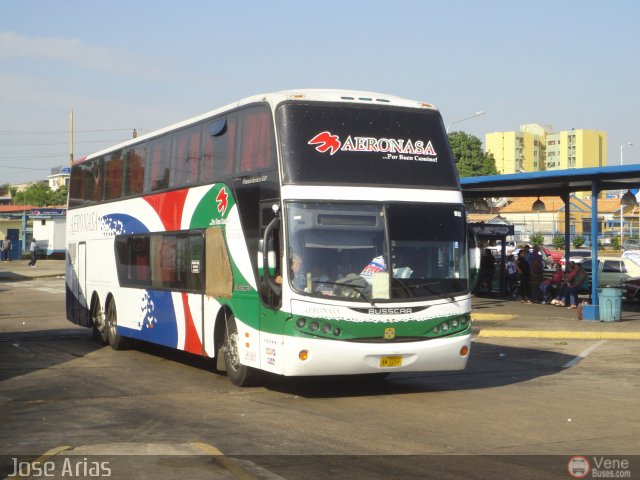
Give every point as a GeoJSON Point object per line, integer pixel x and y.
{"type": "Point", "coordinates": [6, 249]}
{"type": "Point", "coordinates": [33, 249]}
{"type": "Point", "coordinates": [512, 274]}
{"type": "Point", "coordinates": [487, 267]}
{"type": "Point", "coordinates": [525, 277]}
{"type": "Point", "coordinates": [536, 266]}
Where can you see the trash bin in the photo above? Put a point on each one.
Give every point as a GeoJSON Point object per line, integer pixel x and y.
{"type": "Point", "coordinates": [610, 299]}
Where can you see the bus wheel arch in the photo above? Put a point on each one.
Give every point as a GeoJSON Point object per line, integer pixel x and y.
{"type": "Point", "coordinates": [117, 342]}
{"type": "Point", "coordinates": [98, 320]}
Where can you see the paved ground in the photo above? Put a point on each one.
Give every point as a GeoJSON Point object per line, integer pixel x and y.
{"type": "Point", "coordinates": [492, 316]}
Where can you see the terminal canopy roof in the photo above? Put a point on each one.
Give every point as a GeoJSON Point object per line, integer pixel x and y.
{"type": "Point", "coordinates": [560, 183]}
{"type": "Point", "coordinates": [552, 182]}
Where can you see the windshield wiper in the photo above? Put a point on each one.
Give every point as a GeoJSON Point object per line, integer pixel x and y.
{"type": "Point", "coordinates": [426, 286]}
{"type": "Point", "coordinates": [357, 288]}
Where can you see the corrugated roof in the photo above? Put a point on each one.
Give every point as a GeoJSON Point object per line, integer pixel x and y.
{"type": "Point", "coordinates": [555, 204]}
{"type": "Point", "coordinates": [16, 208]}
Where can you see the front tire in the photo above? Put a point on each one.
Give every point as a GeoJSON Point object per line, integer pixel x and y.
{"type": "Point", "coordinates": [117, 342]}
{"type": "Point", "coordinates": [238, 374]}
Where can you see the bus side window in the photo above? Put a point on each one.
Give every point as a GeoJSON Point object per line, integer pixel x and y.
{"type": "Point", "coordinates": [113, 175]}
{"type": "Point", "coordinates": [160, 163]}
{"type": "Point", "coordinates": [256, 149]}
{"type": "Point", "coordinates": [134, 170]}
{"type": "Point", "coordinates": [93, 180]}
{"type": "Point", "coordinates": [187, 156]}
{"type": "Point", "coordinates": [196, 255]}
{"type": "Point", "coordinates": [218, 148]}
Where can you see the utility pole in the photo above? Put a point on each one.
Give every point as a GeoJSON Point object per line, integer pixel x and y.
{"type": "Point", "coordinates": [71, 139]}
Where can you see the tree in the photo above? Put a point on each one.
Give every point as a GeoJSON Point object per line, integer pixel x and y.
{"type": "Point", "coordinates": [558, 242]}
{"type": "Point", "coordinates": [536, 239]}
{"type": "Point", "coordinates": [40, 195]}
{"type": "Point", "coordinates": [472, 161]}
{"type": "Point", "coordinates": [578, 241]}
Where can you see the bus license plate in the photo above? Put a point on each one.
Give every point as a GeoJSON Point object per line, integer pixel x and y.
{"type": "Point", "coordinates": [392, 361]}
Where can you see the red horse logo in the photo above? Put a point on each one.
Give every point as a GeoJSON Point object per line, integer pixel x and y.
{"type": "Point", "coordinates": [222, 200]}
{"type": "Point", "coordinates": [326, 142]}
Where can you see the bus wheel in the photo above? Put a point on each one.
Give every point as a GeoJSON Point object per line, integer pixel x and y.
{"type": "Point", "coordinates": [99, 324]}
{"type": "Point", "coordinates": [238, 374]}
{"type": "Point", "coordinates": [116, 341]}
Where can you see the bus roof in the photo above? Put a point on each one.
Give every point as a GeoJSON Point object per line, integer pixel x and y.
{"type": "Point", "coordinates": [323, 95]}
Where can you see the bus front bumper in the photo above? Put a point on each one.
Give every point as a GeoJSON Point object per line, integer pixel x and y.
{"type": "Point", "coordinates": [325, 357]}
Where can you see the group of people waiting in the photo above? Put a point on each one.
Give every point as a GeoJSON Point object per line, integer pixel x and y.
{"type": "Point", "coordinates": [525, 280]}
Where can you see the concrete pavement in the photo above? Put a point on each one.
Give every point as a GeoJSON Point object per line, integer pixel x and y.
{"type": "Point", "coordinates": [16, 270]}
{"type": "Point", "coordinates": [492, 316]}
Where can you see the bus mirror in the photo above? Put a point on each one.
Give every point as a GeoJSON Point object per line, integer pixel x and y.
{"type": "Point", "coordinates": [267, 256]}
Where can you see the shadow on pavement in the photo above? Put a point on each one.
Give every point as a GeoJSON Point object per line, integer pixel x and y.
{"type": "Point", "coordinates": [489, 366]}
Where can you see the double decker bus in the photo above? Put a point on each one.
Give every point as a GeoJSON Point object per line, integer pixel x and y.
{"type": "Point", "coordinates": [311, 232]}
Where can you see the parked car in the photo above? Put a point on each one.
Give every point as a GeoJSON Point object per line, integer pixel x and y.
{"type": "Point", "coordinates": [631, 244]}
{"type": "Point", "coordinates": [555, 255]}
{"type": "Point", "coordinates": [631, 289]}
{"type": "Point", "coordinates": [612, 270]}
{"type": "Point", "coordinates": [578, 255]}
{"type": "Point", "coordinates": [633, 255]}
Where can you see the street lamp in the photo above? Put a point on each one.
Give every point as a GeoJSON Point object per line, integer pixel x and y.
{"type": "Point", "coordinates": [477, 114]}
{"type": "Point", "coordinates": [626, 202]}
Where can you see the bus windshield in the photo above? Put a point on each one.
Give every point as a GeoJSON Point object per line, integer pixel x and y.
{"type": "Point", "coordinates": [344, 250]}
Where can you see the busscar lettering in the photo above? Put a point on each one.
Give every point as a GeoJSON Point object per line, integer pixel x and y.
{"type": "Point", "coordinates": [390, 311]}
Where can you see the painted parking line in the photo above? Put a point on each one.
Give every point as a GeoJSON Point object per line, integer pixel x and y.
{"type": "Point", "coordinates": [241, 469]}
{"type": "Point", "coordinates": [558, 334]}
{"type": "Point", "coordinates": [583, 354]}
{"type": "Point", "coordinates": [48, 455]}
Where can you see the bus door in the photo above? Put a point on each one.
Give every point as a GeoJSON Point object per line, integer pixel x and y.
{"type": "Point", "coordinates": [80, 288]}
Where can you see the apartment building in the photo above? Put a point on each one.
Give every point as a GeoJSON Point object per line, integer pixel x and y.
{"type": "Point", "coordinates": [536, 148]}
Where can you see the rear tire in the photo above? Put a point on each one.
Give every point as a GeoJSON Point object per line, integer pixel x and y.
{"type": "Point", "coordinates": [238, 374]}
{"type": "Point", "coordinates": [117, 342]}
{"type": "Point", "coordinates": [98, 323]}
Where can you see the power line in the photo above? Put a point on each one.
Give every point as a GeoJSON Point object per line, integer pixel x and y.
{"type": "Point", "coordinates": [58, 132]}
{"type": "Point", "coordinates": [25, 168]}
{"type": "Point", "coordinates": [25, 144]}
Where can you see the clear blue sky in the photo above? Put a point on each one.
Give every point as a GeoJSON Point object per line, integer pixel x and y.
{"type": "Point", "coordinates": [131, 64]}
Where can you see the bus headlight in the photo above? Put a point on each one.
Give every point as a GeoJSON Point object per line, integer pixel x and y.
{"type": "Point", "coordinates": [301, 322]}
{"type": "Point", "coordinates": [313, 326]}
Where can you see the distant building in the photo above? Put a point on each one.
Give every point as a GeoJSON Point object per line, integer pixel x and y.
{"type": "Point", "coordinates": [551, 221]}
{"type": "Point", "coordinates": [576, 149]}
{"type": "Point", "coordinates": [59, 177]}
{"type": "Point", "coordinates": [537, 148]}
